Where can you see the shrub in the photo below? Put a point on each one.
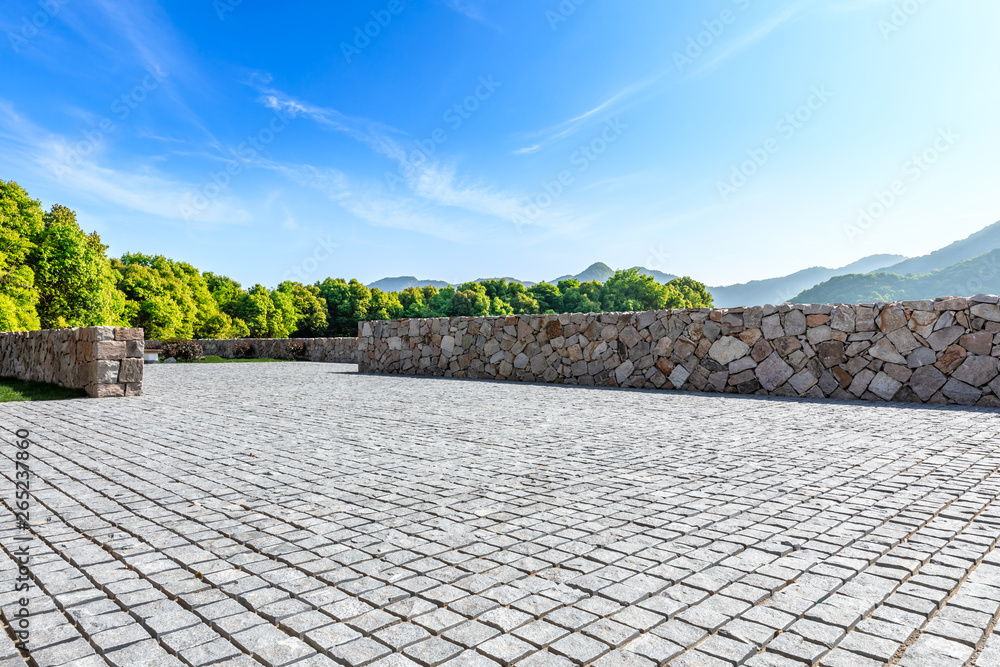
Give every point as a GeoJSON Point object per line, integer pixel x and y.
{"type": "Point", "coordinates": [294, 350]}
{"type": "Point", "coordinates": [184, 350]}
{"type": "Point", "coordinates": [242, 350]}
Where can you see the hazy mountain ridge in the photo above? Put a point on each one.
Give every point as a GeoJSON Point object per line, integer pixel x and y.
{"type": "Point", "coordinates": [783, 288]}
{"type": "Point", "coordinates": [402, 282]}
{"type": "Point", "coordinates": [962, 268]}
{"type": "Point", "coordinates": [974, 245]}
{"type": "Point", "coordinates": [966, 278]}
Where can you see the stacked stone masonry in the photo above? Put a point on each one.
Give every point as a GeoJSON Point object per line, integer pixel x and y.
{"type": "Point", "coordinates": [327, 350]}
{"type": "Point", "coordinates": [105, 361]}
{"type": "Point", "coordinates": [941, 351]}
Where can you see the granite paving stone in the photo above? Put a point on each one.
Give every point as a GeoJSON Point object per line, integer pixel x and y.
{"type": "Point", "coordinates": [304, 514]}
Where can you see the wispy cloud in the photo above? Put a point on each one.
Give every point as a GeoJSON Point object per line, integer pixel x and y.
{"type": "Point", "coordinates": [758, 33]}
{"type": "Point", "coordinates": [430, 184]}
{"type": "Point", "coordinates": [472, 9]}
{"type": "Point", "coordinates": [27, 149]}
{"type": "Point", "coordinates": [569, 127]}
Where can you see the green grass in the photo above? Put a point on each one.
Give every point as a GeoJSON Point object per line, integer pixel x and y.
{"type": "Point", "coordinates": [213, 359]}
{"type": "Point", "coordinates": [21, 390]}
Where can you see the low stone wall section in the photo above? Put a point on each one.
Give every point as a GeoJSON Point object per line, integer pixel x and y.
{"type": "Point", "coordinates": [105, 361]}
{"type": "Point", "coordinates": [327, 350]}
{"type": "Point", "coordinates": [941, 351]}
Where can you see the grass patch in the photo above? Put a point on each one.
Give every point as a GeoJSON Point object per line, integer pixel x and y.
{"type": "Point", "coordinates": [22, 390]}
{"type": "Point", "coordinates": [213, 359]}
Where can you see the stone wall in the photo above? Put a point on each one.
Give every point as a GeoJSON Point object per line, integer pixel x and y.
{"type": "Point", "coordinates": [105, 361]}
{"type": "Point", "coordinates": [941, 351]}
{"type": "Point", "coordinates": [328, 350]}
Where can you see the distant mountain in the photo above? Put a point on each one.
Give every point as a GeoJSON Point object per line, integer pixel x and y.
{"type": "Point", "coordinates": [779, 290]}
{"type": "Point", "coordinates": [526, 283]}
{"type": "Point", "coordinates": [598, 271]}
{"type": "Point", "coordinates": [983, 241]}
{"type": "Point", "coordinates": [601, 272]}
{"type": "Point", "coordinates": [980, 275]}
{"type": "Point", "coordinates": [401, 283]}
{"type": "Point", "coordinates": [658, 276]}
{"type": "Point", "coordinates": [757, 292]}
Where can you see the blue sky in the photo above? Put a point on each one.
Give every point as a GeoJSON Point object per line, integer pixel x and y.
{"type": "Point", "coordinates": [728, 140]}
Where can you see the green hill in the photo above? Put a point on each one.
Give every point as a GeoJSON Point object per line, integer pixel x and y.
{"type": "Point", "coordinates": [984, 240]}
{"type": "Point", "coordinates": [980, 275]}
{"type": "Point", "coordinates": [401, 283]}
{"type": "Point", "coordinates": [778, 290]}
{"type": "Point", "coordinates": [598, 271]}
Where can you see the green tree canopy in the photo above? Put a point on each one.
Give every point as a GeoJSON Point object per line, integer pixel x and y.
{"type": "Point", "coordinates": [21, 221]}
{"type": "Point", "coordinates": [76, 283]}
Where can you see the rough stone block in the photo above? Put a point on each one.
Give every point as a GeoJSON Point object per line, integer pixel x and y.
{"type": "Point", "coordinates": [105, 390]}
{"type": "Point", "coordinates": [110, 349]}
{"type": "Point", "coordinates": [130, 370]}
{"type": "Point", "coordinates": [131, 333]}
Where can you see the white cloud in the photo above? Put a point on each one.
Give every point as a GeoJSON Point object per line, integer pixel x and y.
{"type": "Point", "coordinates": [75, 164]}
{"type": "Point", "coordinates": [429, 183]}
{"type": "Point", "coordinates": [745, 41]}
{"type": "Point", "coordinates": [573, 125]}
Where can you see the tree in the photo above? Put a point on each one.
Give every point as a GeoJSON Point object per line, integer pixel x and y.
{"type": "Point", "coordinates": [76, 284]}
{"type": "Point", "coordinates": [255, 310]}
{"type": "Point", "coordinates": [548, 296]}
{"type": "Point", "coordinates": [500, 307]}
{"type": "Point", "coordinates": [470, 300]}
{"type": "Point", "coordinates": [283, 320]}
{"type": "Point", "coordinates": [309, 307]}
{"type": "Point", "coordinates": [337, 295]}
{"type": "Point", "coordinates": [630, 290]}
{"type": "Point", "coordinates": [168, 299]}
{"type": "Point", "coordinates": [439, 305]}
{"type": "Point", "coordinates": [412, 301]}
{"type": "Point", "coordinates": [21, 220]}
{"type": "Point", "coordinates": [693, 293]}
{"type": "Point", "coordinates": [384, 305]}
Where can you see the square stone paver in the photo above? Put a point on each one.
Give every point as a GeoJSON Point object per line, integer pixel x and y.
{"type": "Point", "coordinates": [305, 514]}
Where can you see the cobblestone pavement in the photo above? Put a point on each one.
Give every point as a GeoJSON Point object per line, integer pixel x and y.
{"type": "Point", "coordinates": [302, 514]}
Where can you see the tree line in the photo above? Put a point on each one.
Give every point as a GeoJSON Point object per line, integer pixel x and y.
{"type": "Point", "coordinates": [53, 275]}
